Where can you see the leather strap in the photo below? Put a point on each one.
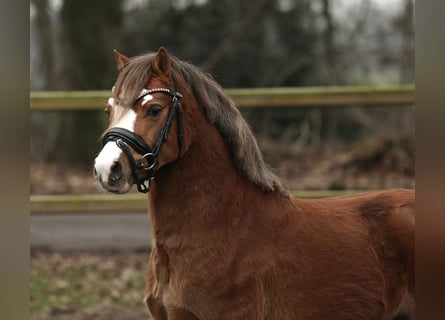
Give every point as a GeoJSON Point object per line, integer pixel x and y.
{"type": "Point", "coordinates": [132, 139]}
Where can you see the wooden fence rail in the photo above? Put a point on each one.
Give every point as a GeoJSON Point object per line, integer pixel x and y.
{"type": "Point", "coordinates": [254, 97]}
{"type": "Point", "coordinates": [132, 202]}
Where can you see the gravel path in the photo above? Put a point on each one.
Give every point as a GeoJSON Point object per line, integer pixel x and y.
{"type": "Point", "coordinates": [129, 231]}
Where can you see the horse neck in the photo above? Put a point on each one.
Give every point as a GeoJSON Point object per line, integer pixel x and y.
{"type": "Point", "coordinates": [197, 189]}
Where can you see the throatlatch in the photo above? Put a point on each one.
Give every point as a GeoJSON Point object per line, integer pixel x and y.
{"type": "Point", "coordinates": [149, 159]}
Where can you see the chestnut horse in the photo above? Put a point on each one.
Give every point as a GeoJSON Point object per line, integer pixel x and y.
{"type": "Point", "coordinates": [228, 240]}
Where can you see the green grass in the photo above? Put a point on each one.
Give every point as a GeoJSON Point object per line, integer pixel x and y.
{"type": "Point", "coordinates": [40, 298]}
{"type": "Point", "coordinates": [75, 285]}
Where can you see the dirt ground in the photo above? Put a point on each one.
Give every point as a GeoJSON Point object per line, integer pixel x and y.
{"type": "Point", "coordinates": [102, 311]}
{"type": "Point", "coordinates": [88, 285]}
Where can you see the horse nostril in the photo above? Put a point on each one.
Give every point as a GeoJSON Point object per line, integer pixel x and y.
{"type": "Point", "coordinates": [115, 173]}
{"type": "Point", "coordinates": [95, 172]}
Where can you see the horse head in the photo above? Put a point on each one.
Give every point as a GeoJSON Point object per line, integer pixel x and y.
{"type": "Point", "coordinates": [146, 127]}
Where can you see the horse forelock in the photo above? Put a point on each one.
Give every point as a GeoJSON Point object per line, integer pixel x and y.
{"type": "Point", "coordinates": [132, 79]}
{"type": "Point", "coordinates": [220, 110]}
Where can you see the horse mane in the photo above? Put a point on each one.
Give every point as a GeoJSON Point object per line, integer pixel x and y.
{"type": "Point", "coordinates": [220, 110]}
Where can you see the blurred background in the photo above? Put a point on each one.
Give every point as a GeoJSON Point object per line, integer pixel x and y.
{"type": "Point", "coordinates": [243, 44]}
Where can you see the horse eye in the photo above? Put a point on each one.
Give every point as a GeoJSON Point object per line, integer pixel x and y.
{"type": "Point", "coordinates": [154, 110]}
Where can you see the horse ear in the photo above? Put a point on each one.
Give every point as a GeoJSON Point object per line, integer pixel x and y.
{"type": "Point", "coordinates": [121, 60]}
{"type": "Point", "coordinates": [161, 63]}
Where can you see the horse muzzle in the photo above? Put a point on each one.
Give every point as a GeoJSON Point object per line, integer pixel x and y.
{"type": "Point", "coordinates": [112, 171]}
{"type": "Point", "coordinates": [142, 169]}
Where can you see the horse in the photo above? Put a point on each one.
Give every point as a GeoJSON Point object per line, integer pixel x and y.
{"type": "Point", "coordinates": [229, 242]}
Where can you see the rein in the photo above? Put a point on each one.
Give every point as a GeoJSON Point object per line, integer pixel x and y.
{"type": "Point", "coordinates": [149, 159]}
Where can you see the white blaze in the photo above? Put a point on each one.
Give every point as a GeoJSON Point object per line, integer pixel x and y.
{"type": "Point", "coordinates": [111, 152]}
{"type": "Point", "coordinates": [146, 98]}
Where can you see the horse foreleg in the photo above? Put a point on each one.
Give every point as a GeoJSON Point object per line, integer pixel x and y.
{"type": "Point", "coordinates": [156, 308]}
{"type": "Point", "coordinates": [180, 314]}
{"type": "Point", "coordinates": [407, 308]}
{"type": "Point", "coordinates": [157, 275]}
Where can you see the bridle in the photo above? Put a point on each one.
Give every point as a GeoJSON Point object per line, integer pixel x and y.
{"type": "Point", "coordinates": [149, 159]}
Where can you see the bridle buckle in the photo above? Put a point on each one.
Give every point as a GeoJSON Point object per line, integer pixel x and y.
{"type": "Point", "coordinates": [150, 159]}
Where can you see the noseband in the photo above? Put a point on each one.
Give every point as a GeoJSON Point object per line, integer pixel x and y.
{"type": "Point", "coordinates": [149, 159]}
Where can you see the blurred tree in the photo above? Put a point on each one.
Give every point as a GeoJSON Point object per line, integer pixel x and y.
{"type": "Point", "coordinates": [46, 47]}
{"type": "Point", "coordinates": [266, 44]}
{"type": "Point", "coordinates": [90, 32]}
{"type": "Point", "coordinates": [404, 23]}
{"type": "Point", "coordinates": [44, 126]}
{"type": "Point", "coordinates": [329, 44]}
